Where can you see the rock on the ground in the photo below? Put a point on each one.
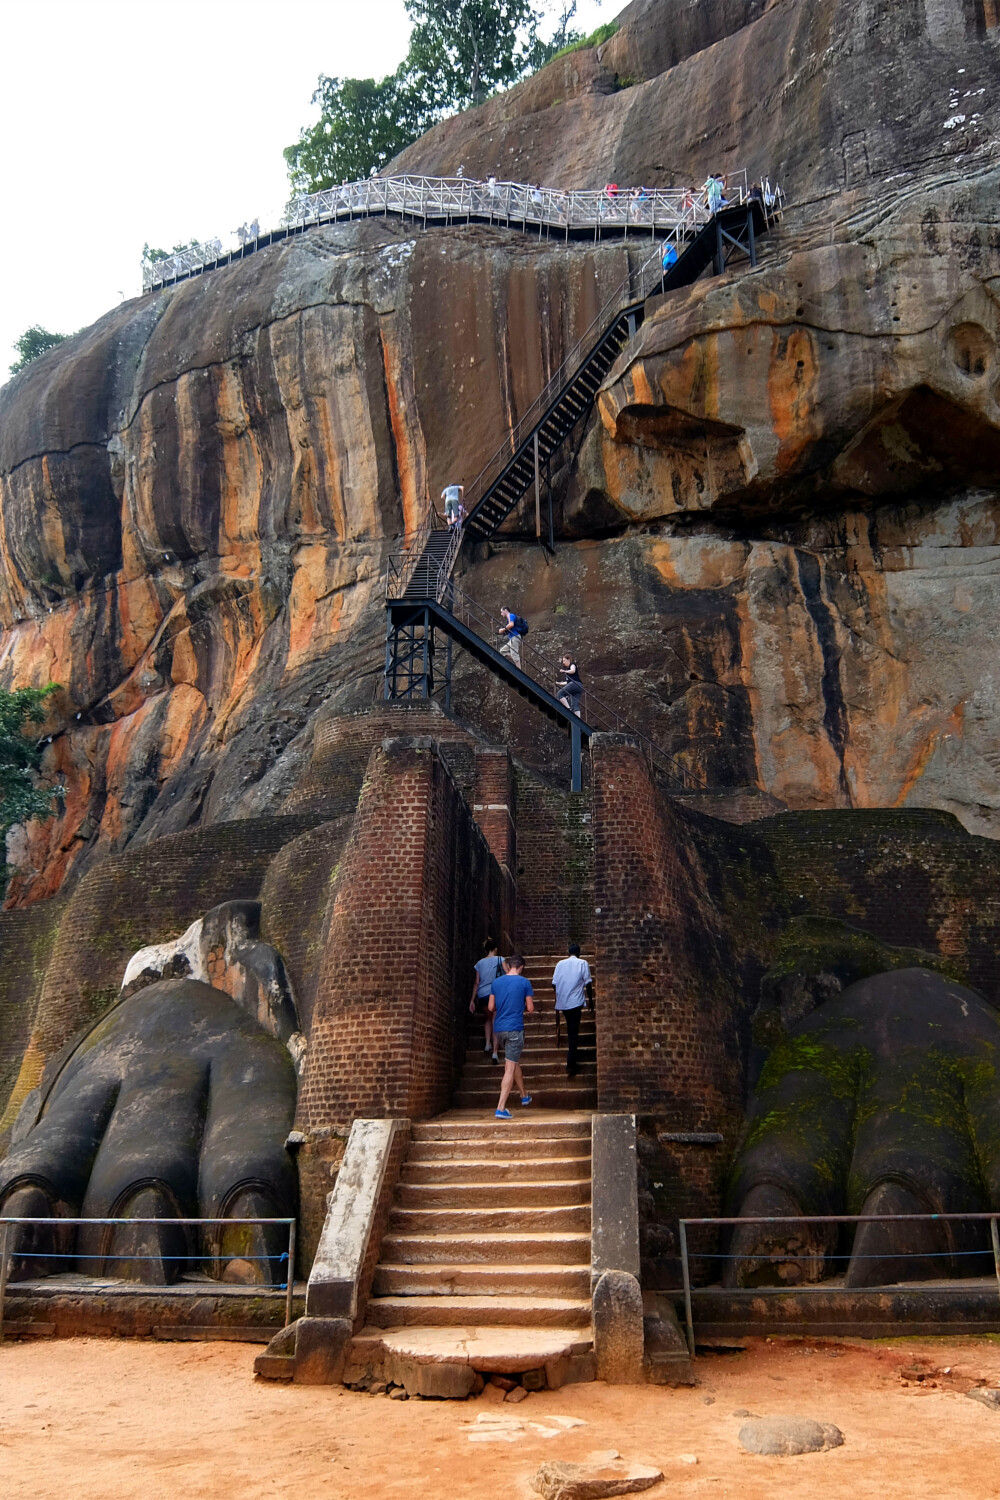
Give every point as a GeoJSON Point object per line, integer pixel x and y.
{"type": "Point", "coordinates": [782, 1436]}
{"type": "Point", "coordinates": [517, 1394]}
{"type": "Point", "coordinates": [987, 1396]}
{"type": "Point", "coordinates": [594, 1480]}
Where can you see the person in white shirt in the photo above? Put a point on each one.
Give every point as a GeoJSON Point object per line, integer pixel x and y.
{"type": "Point", "coordinates": [452, 495]}
{"type": "Point", "coordinates": [573, 985]}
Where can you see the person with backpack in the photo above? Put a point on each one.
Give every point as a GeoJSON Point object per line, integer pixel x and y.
{"type": "Point", "coordinates": [514, 628]}
{"type": "Point", "coordinates": [486, 969]}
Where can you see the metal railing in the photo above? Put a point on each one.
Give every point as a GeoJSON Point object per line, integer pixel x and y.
{"type": "Point", "coordinates": [825, 1288]}
{"type": "Point", "coordinates": [629, 292]}
{"type": "Point", "coordinates": [546, 673]}
{"type": "Point", "coordinates": [667, 212]}
{"type": "Point", "coordinates": [7, 1253]}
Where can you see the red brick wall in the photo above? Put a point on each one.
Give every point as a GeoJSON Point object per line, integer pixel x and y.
{"type": "Point", "coordinates": [666, 1042]}
{"type": "Point", "coordinates": [666, 1014]}
{"type": "Point", "coordinates": [555, 867]}
{"type": "Point", "coordinates": [416, 894]}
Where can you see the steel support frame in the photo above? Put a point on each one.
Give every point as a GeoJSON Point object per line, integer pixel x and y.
{"type": "Point", "coordinates": [409, 656]}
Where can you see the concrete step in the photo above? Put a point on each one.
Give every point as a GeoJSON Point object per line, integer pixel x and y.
{"type": "Point", "coordinates": [476, 1169]}
{"type": "Point", "coordinates": [562, 1096]}
{"type": "Point", "coordinates": [445, 1279]}
{"type": "Point", "coordinates": [554, 1247]}
{"type": "Point", "coordinates": [503, 1349]}
{"type": "Point", "coordinates": [488, 1220]}
{"type": "Point", "coordinates": [510, 1311]}
{"type": "Point", "coordinates": [488, 1194]}
{"type": "Point", "coordinates": [498, 1150]}
{"type": "Point", "coordinates": [534, 1128]}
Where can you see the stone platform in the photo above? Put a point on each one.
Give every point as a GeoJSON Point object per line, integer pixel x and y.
{"type": "Point", "coordinates": [918, 1309]}
{"type": "Point", "coordinates": [68, 1306]}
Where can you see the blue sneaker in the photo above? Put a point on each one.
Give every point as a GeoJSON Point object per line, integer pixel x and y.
{"type": "Point", "coordinates": [525, 1100]}
{"type": "Point", "coordinates": [503, 1114]}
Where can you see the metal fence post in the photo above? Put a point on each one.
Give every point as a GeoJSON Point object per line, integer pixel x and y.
{"type": "Point", "coordinates": [290, 1284]}
{"type": "Point", "coordinates": [4, 1261]}
{"type": "Point", "coordinates": [686, 1273]}
{"type": "Point", "coordinates": [996, 1248]}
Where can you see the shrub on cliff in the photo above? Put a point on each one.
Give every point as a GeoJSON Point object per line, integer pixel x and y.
{"type": "Point", "coordinates": [34, 341]}
{"type": "Point", "coordinates": [21, 796]}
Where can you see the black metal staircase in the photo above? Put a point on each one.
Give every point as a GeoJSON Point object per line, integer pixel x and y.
{"type": "Point", "coordinates": [569, 395]}
{"type": "Point", "coordinates": [420, 595]}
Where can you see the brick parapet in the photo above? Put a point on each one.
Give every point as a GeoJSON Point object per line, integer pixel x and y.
{"type": "Point", "coordinates": [416, 892]}
{"type": "Point", "coordinates": [666, 1037]}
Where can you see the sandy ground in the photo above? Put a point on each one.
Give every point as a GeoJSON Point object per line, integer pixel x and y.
{"type": "Point", "coordinates": [92, 1418]}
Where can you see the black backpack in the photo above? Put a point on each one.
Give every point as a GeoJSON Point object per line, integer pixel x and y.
{"type": "Point", "coordinates": [521, 625]}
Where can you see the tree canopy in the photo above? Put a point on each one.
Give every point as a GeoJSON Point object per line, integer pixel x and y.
{"type": "Point", "coordinates": [34, 341]}
{"type": "Point", "coordinates": [21, 796]}
{"type": "Point", "coordinates": [461, 51]}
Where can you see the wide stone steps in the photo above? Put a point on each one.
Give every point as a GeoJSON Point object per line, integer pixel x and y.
{"type": "Point", "coordinates": [483, 1279]}
{"type": "Point", "coordinates": [490, 1311]}
{"type": "Point", "coordinates": [529, 1129]}
{"type": "Point", "coordinates": [556, 1247]}
{"type": "Point", "coordinates": [494, 1194]}
{"type": "Point", "coordinates": [473, 1170]}
{"type": "Point", "coordinates": [515, 1150]}
{"type": "Point", "coordinates": [486, 1220]}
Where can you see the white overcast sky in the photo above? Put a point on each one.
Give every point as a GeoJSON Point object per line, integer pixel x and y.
{"type": "Point", "coordinates": [124, 121]}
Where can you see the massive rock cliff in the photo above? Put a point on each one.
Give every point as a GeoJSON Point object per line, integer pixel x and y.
{"type": "Point", "coordinates": [778, 539]}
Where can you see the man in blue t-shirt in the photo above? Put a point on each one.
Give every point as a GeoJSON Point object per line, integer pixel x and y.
{"type": "Point", "coordinates": [510, 997]}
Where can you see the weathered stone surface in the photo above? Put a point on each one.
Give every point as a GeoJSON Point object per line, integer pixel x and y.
{"type": "Point", "coordinates": [605, 1475]}
{"type": "Point", "coordinates": [783, 1436]}
{"type": "Point", "coordinates": [321, 1349]}
{"type": "Point", "coordinates": [987, 1396]}
{"type": "Point", "coordinates": [442, 1381]}
{"type": "Point", "coordinates": [197, 493]}
{"type": "Point", "coordinates": [618, 1328]}
{"type": "Point", "coordinates": [335, 1277]}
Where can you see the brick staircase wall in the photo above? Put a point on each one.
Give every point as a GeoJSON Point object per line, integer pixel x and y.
{"type": "Point", "coordinates": [416, 892]}
{"type": "Point", "coordinates": [555, 866]}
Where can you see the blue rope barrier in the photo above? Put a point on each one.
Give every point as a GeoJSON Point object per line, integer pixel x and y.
{"type": "Point", "coordinates": [838, 1255]}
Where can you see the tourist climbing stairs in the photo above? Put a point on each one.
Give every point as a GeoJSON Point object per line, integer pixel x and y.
{"type": "Point", "coordinates": [544, 1060]}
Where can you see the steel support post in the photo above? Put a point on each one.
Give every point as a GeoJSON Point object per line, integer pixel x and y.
{"type": "Point", "coordinates": [538, 494]}
{"type": "Point", "coordinates": [686, 1275]}
{"type": "Point", "coordinates": [720, 254]}
{"type": "Point", "coordinates": [751, 237]}
{"type": "Point", "coordinates": [575, 739]}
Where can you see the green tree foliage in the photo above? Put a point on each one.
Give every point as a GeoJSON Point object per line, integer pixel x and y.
{"type": "Point", "coordinates": [21, 796]}
{"type": "Point", "coordinates": [363, 123]}
{"type": "Point", "coordinates": [461, 51]}
{"type": "Point", "coordinates": [33, 342]}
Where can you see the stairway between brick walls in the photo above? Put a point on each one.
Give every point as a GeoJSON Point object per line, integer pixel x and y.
{"type": "Point", "coordinates": [543, 1063]}
{"type": "Point", "coordinates": [485, 1267]}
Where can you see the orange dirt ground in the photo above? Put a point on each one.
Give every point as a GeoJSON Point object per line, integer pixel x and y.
{"type": "Point", "coordinates": [92, 1418]}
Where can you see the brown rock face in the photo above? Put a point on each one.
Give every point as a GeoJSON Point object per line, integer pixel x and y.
{"type": "Point", "coordinates": [778, 534]}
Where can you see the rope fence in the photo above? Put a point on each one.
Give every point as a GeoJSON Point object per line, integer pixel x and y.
{"type": "Point", "coordinates": [666, 212]}
{"type": "Point", "coordinates": [7, 1251]}
{"type": "Point", "coordinates": [821, 1287]}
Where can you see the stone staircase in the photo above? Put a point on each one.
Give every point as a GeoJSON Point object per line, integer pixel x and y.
{"type": "Point", "coordinates": [543, 1063]}
{"type": "Point", "coordinates": [486, 1260]}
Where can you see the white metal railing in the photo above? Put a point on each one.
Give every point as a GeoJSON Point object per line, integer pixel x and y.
{"type": "Point", "coordinates": [672, 213]}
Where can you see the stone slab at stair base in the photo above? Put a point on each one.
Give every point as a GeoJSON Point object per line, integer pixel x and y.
{"type": "Point", "coordinates": [507, 1351]}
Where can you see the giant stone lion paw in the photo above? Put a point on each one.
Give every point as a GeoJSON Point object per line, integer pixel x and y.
{"type": "Point", "coordinates": [176, 1104]}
